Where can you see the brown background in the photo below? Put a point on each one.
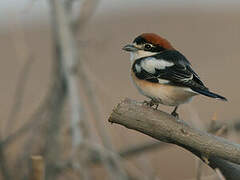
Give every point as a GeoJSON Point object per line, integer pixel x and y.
{"type": "Point", "coordinates": [209, 39]}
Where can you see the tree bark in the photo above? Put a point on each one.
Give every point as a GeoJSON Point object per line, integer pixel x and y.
{"type": "Point", "coordinates": [215, 151]}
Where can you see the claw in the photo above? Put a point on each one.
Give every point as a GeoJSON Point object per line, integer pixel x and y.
{"type": "Point", "coordinates": [174, 113]}
{"type": "Point", "coordinates": [156, 106]}
{"type": "Point", "coordinates": [151, 103]}
{"type": "Point", "coordinates": [148, 103]}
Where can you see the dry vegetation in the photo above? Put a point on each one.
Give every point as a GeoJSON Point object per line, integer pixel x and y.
{"type": "Point", "coordinates": [59, 83]}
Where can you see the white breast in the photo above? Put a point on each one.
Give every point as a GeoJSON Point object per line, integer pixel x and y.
{"type": "Point", "coordinates": [139, 54]}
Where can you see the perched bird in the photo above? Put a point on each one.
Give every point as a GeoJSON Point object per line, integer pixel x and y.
{"type": "Point", "coordinates": [163, 74]}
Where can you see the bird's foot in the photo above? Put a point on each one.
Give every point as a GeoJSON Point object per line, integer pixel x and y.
{"type": "Point", "coordinates": [148, 103]}
{"type": "Point", "coordinates": [176, 115]}
{"type": "Point", "coordinates": [156, 106]}
{"type": "Point", "coordinates": [151, 103]}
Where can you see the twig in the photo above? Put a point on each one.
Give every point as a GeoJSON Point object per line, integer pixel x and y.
{"type": "Point", "coordinates": [3, 165]}
{"type": "Point", "coordinates": [12, 116]}
{"type": "Point", "coordinates": [69, 66]}
{"type": "Point", "coordinates": [41, 116]}
{"type": "Point", "coordinates": [88, 8]}
{"type": "Point", "coordinates": [142, 148]}
{"type": "Point", "coordinates": [164, 127]}
{"type": "Point", "coordinates": [213, 130]}
{"type": "Point", "coordinates": [19, 93]}
{"type": "Point", "coordinates": [129, 152]}
{"type": "Point", "coordinates": [95, 156]}
{"type": "Point", "coordinates": [52, 143]}
{"type": "Point", "coordinates": [37, 167]}
{"type": "Point", "coordinates": [23, 54]}
{"type": "Point", "coordinates": [112, 163]}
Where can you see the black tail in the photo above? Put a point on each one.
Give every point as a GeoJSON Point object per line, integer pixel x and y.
{"type": "Point", "coordinates": [209, 94]}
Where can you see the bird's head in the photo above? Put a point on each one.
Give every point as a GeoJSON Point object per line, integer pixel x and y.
{"type": "Point", "coordinates": [147, 44]}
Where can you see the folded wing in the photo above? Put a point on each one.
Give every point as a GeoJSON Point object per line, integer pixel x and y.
{"type": "Point", "coordinates": [168, 67]}
{"type": "Point", "coordinates": [171, 67]}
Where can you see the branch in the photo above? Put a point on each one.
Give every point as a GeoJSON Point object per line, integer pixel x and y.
{"type": "Point", "coordinates": [112, 163]}
{"type": "Point", "coordinates": [19, 94]}
{"type": "Point", "coordinates": [71, 66]}
{"type": "Point", "coordinates": [88, 8]}
{"type": "Point", "coordinates": [3, 165]}
{"type": "Point", "coordinates": [213, 150]}
{"type": "Point", "coordinates": [37, 166]}
{"type": "Point", "coordinates": [67, 58]}
{"type": "Point", "coordinates": [142, 148]}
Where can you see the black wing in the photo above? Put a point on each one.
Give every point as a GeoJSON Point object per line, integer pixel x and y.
{"type": "Point", "coordinates": [170, 67]}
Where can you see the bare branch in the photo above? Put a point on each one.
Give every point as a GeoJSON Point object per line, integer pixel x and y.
{"type": "Point", "coordinates": [37, 168]}
{"type": "Point", "coordinates": [164, 127]}
{"type": "Point", "coordinates": [142, 148]}
{"type": "Point", "coordinates": [112, 163]}
{"type": "Point", "coordinates": [69, 66]}
{"type": "Point", "coordinates": [88, 8]}
{"type": "Point", "coordinates": [3, 164]}
{"type": "Point", "coordinates": [19, 93]}
{"type": "Point", "coordinates": [213, 129]}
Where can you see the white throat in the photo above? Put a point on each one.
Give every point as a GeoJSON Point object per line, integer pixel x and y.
{"type": "Point", "coordinates": [139, 54]}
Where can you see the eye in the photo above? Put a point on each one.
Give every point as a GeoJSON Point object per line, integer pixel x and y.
{"type": "Point", "coordinates": [147, 46]}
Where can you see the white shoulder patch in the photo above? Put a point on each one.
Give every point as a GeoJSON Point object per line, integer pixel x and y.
{"type": "Point", "coordinates": [150, 64]}
{"type": "Point", "coordinates": [138, 68]}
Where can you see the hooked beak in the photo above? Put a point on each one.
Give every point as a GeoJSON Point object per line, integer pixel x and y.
{"type": "Point", "coordinates": [130, 48]}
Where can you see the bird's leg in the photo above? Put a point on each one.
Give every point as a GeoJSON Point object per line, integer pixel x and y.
{"type": "Point", "coordinates": [156, 106]}
{"type": "Point", "coordinates": [156, 103]}
{"type": "Point", "coordinates": [174, 113]}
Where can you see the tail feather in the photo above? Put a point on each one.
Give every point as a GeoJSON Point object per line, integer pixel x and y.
{"type": "Point", "coordinates": [209, 94]}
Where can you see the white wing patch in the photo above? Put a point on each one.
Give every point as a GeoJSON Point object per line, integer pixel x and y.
{"type": "Point", "coordinates": [138, 68]}
{"type": "Point", "coordinates": [150, 64]}
{"type": "Point", "coordinates": [163, 81]}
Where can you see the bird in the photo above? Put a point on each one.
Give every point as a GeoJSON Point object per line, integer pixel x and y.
{"type": "Point", "coordinates": [163, 74]}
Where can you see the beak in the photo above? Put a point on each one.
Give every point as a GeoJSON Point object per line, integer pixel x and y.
{"type": "Point", "coordinates": [130, 48]}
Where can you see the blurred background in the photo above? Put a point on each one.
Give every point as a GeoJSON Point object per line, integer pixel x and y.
{"type": "Point", "coordinates": [62, 116]}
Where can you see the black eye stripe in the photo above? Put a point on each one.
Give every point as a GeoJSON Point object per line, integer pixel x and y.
{"type": "Point", "coordinates": [149, 47]}
{"type": "Point", "coordinates": [141, 41]}
{"type": "Point", "coordinates": [157, 49]}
